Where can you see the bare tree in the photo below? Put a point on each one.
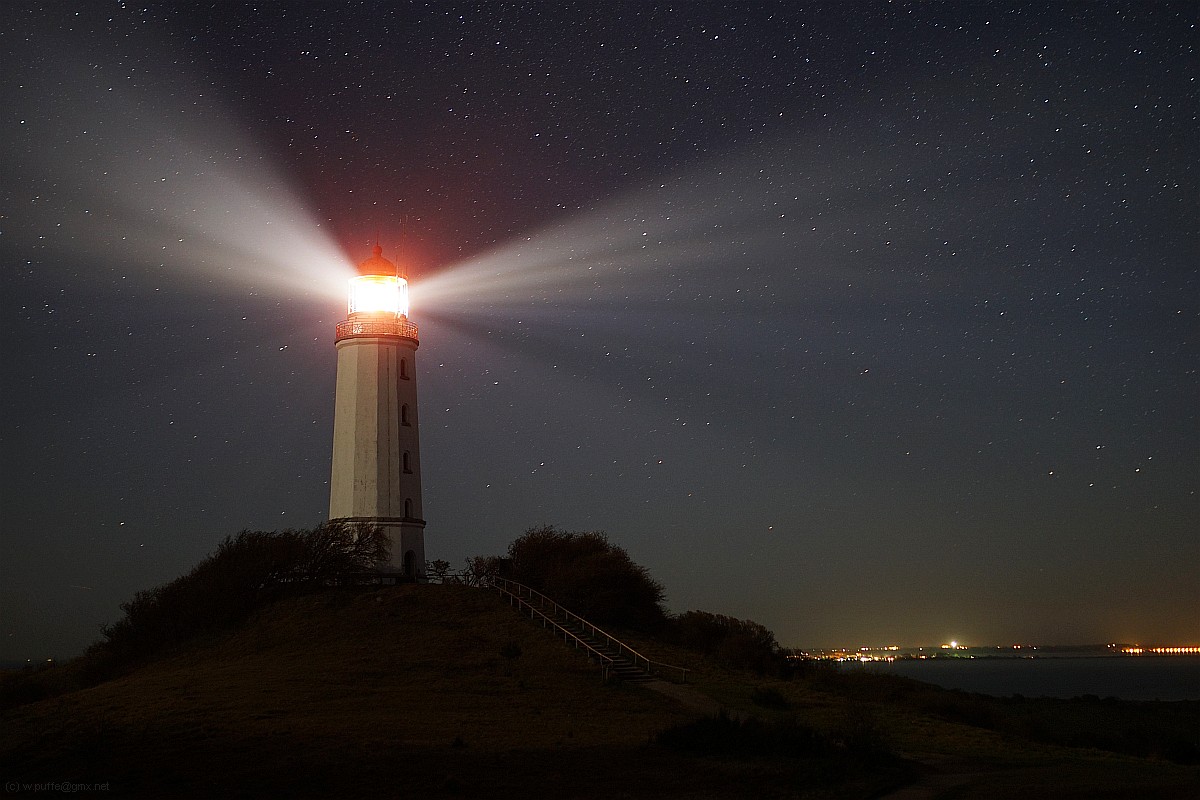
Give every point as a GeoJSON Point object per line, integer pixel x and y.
{"type": "Point", "coordinates": [481, 569]}
{"type": "Point", "coordinates": [438, 570]}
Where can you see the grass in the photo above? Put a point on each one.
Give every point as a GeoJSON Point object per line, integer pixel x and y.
{"type": "Point", "coordinates": [446, 691]}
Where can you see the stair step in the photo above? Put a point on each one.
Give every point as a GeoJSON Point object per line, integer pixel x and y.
{"type": "Point", "coordinates": [619, 666]}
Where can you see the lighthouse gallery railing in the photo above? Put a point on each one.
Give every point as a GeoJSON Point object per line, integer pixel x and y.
{"type": "Point", "coordinates": [376, 327]}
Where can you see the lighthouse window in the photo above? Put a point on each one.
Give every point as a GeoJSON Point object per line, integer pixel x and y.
{"type": "Point", "coordinates": [404, 368]}
{"type": "Point", "coordinates": [408, 509]}
{"type": "Point", "coordinates": [404, 415]}
{"type": "Point", "coordinates": [407, 462]}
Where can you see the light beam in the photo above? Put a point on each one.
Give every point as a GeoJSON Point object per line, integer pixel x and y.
{"type": "Point", "coordinates": [146, 173]}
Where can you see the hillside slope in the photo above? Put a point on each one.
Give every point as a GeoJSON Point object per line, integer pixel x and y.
{"type": "Point", "coordinates": [381, 693]}
{"type": "Point", "coordinates": [445, 691]}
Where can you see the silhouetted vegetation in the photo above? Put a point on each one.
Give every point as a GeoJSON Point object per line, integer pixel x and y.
{"type": "Point", "coordinates": [245, 572]}
{"type": "Point", "coordinates": [480, 570]}
{"type": "Point", "coordinates": [438, 570]}
{"type": "Point", "coordinates": [736, 643]}
{"type": "Point", "coordinates": [591, 576]}
{"type": "Point", "coordinates": [588, 574]}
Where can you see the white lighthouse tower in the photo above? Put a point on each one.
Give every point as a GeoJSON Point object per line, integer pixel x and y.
{"type": "Point", "coordinates": [376, 456]}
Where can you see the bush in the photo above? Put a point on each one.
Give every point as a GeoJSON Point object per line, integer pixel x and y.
{"type": "Point", "coordinates": [587, 574]}
{"type": "Point", "coordinates": [737, 643]}
{"type": "Point", "coordinates": [480, 570]}
{"type": "Point", "coordinates": [245, 572]}
{"type": "Point", "coordinates": [438, 571]}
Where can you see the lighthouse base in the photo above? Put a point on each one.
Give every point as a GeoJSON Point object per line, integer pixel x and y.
{"type": "Point", "coordinates": [406, 555]}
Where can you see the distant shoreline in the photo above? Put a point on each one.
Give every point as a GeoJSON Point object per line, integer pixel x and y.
{"type": "Point", "coordinates": [955, 651]}
{"type": "Point", "coordinates": [1141, 678]}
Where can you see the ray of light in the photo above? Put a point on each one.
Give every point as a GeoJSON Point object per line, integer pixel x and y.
{"type": "Point", "coordinates": [150, 175]}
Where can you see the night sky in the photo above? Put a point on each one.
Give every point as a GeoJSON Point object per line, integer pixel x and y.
{"type": "Point", "coordinates": [873, 322]}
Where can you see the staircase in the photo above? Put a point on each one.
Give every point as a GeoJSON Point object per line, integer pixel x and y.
{"type": "Point", "coordinates": [622, 667]}
{"type": "Point", "coordinates": [617, 659]}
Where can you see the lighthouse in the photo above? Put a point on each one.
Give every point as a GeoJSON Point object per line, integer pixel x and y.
{"type": "Point", "coordinates": [376, 476]}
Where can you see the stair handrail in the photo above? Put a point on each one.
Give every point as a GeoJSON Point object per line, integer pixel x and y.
{"type": "Point", "coordinates": [606, 661]}
{"type": "Point", "coordinates": [504, 585]}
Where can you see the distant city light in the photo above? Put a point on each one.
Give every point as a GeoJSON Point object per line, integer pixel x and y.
{"type": "Point", "coordinates": [954, 650]}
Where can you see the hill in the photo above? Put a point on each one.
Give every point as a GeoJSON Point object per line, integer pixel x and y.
{"type": "Point", "coordinates": [363, 694]}
{"type": "Point", "coordinates": [446, 691]}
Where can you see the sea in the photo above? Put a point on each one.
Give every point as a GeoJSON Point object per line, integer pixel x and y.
{"type": "Point", "coordinates": [1125, 677]}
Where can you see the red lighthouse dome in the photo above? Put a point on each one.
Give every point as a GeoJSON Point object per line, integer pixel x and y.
{"type": "Point", "coordinates": [377, 264]}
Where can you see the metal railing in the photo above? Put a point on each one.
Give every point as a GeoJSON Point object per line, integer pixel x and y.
{"type": "Point", "coordinates": [606, 661]}
{"type": "Point", "coordinates": [519, 592]}
{"type": "Point", "coordinates": [350, 328]}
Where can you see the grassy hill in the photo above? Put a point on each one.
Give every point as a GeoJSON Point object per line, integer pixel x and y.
{"type": "Point", "coordinates": [420, 691]}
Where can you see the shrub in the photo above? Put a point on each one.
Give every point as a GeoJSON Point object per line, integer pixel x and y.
{"type": "Point", "coordinates": [480, 570]}
{"type": "Point", "coordinates": [246, 571]}
{"type": "Point", "coordinates": [737, 643]}
{"type": "Point", "coordinates": [588, 574]}
{"type": "Point", "coordinates": [438, 570]}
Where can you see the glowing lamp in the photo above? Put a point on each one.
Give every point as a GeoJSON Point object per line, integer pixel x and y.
{"type": "Point", "coordinates": [379, 294]}
{"type": "Point", "coordinates": [378, 289]}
